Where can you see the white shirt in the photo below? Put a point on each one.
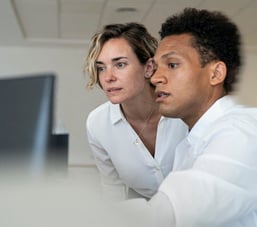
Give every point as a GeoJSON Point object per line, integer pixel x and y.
{"type": "Point", "coordinates": [214, 180]}
{"type": "Point", "coordinates": [123, 162]}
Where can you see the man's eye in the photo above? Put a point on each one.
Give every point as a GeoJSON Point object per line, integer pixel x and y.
{"type": "Point", "coordinates": [173, 65]}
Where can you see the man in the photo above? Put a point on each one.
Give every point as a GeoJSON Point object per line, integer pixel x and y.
{"type": "Point", "coordinates": [214, 178]}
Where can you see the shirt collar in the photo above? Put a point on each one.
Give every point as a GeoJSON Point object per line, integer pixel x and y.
{"type": "Point", "coordinates": [218, 109]}
{"type": "Point", "coordinates": [116, 113]}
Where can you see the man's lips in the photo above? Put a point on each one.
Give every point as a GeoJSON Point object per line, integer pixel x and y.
{"type": "Point", "coordinates": [160, 95]}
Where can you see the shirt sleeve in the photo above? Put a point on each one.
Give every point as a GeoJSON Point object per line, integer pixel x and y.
{"type": "Point", "coordinates": [142, 213]}
{"type": "Point", "coordinates": [221, 187]}
{"type": "Point", "coordinates": [112, 186]}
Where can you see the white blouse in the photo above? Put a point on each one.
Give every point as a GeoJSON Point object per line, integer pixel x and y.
{"type": "Point", "coordinates": [121, 157]}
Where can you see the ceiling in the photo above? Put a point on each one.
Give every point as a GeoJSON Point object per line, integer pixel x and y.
{"type": "Point", "coordinates": [73, 22]}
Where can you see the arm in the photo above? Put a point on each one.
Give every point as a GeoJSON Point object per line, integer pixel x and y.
{"type": "Point", "coordinates": [112, 186]}
{"type": "Point", "coordinates": [141, 213]}
{"type": "Point", "coordinates": [220, 188]}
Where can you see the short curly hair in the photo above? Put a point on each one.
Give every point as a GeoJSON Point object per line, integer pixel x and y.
{"type": "Point", "coordinates": [141, 41]}
{"type": "Point", "coordinates": [214, 36]}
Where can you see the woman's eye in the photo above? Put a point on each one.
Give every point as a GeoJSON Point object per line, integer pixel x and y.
{"type": "Point", "coordinates": [100, 68]}
{"type": "Point", "coordinates": [120, 65]}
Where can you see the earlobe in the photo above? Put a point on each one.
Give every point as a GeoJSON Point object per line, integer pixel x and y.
{"type": "Point", "coordinates": [148, 75]}
{"type": "Point", "coordinates": [219, 73]}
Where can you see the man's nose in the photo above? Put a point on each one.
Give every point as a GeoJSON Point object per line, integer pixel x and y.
{"type": "Point", "coordinates": [157, 77]}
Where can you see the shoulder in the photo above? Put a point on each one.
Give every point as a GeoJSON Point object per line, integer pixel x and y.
{"type": "Point", "coordinates": [100, 108]}
{"type": "Point", "coordinates": [233, 114]}
{"type": "Point", "coordinates": [242, 118]}
{"type": "Point", "coordinates": [100, 111]}
{"type": "Point", "coordinates": [238, 125]}
{"type": "Point", "coordinates": [104, 115]}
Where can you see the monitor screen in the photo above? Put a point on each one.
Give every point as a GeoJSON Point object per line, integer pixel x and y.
{"type": "Point", "coordinates": [26, 115]}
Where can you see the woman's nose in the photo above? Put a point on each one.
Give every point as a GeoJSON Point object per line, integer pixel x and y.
{"type": "Point", "coordinates": [109, 75]}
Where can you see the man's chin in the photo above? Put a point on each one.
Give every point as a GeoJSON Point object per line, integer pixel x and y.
{"type": "Point", "coordinates": [166, 113]}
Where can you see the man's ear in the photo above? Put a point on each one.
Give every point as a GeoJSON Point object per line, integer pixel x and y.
{"type": "Point", "coordinates": [219, 72]}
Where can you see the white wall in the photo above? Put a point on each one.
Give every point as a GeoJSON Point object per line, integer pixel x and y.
{"type": "Point", "coordinates": [74, 101]}
{"type": "Point", "coordinates": [247, 88]}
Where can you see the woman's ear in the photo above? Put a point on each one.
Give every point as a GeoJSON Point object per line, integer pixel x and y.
{"type": "Point", "coordinates": [149, 68]}
{"type": "Point", "coordinates": [219, 72]}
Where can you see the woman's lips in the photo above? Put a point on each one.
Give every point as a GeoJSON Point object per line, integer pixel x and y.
{"type": "Point", "coordinates": [112, 90]}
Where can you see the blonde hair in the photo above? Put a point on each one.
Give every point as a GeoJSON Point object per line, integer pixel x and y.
{"type": "Point", "coordinates": [141, 41]}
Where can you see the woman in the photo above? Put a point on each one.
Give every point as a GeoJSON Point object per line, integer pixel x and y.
{"type": "Point", "coordinates": [132, 144]}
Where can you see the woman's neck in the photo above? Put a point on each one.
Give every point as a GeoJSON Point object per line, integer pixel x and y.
{"type": "Point", "coordinates": [140, 109]}
{"type": "Point", "coordinates": [141, 112]}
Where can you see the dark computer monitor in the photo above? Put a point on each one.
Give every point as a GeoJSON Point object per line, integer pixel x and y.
{"type": "Point", "coordinates": [57, 155]}
{"type": "Point", "coordinates": [26, 117]}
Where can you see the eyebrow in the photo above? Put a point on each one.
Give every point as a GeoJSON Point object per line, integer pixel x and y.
{"type": "Point", "coordinates": [168, 54]}
{"type": "Point", "coordinates": [113, 60]}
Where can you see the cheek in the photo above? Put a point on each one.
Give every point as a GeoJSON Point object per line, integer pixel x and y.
{"type": "Point", "coordinates": [183, 89]}
{"type": "Point", "coordinates": [101, 84]}
{"type": "Point", "coordinates": [136, 86]}
{"type": "Point", "coordinates": [185, 81]}
{"type": "Point", "coordinates": [136, 79]}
